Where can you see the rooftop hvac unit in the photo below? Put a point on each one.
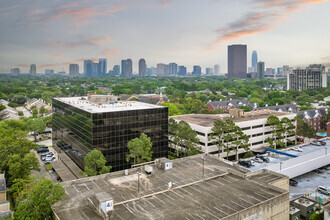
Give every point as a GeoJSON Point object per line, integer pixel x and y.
{"type": "Point", "coordinates": [103, 202]}
{"type": "Point", "coordinates": [164, 163]}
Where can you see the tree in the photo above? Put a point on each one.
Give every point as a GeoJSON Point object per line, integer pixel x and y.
{"type": "Point", "coordinates": [304, 129]}
{"type": "Point", "coordinates": [277, 131]}
{"type": "Point", "coordinates": [36, 203]}
{"type": "Point", "coordinates": [172, 109]}
{"type": "Point", "coordinates": [288, 128]}
{"type": "Point", "coordinates": [42, 110]}
{"type": "Point", "coordinates": [241, 142]}
{"type": "Point", "coordinates": [95, 163]}
{"type": "Point", "coordinates": [245, 108]}
{"type": "Point", "coordinates": [230, 129]}
{"type": "Point", "coordinates": [36, 126]}
{"type": "Point", "coordinates": [217, 135]}
{"type": "Point", "coordinates": [140, 149]}
{"type": "Point", "coordinates": [34, 111]}
{"type": "Point", "coordinates": [20, 113]}
{"type": "Point", "coordinates": [20, 167]}
{"type": "Point", "coordinates": [2, 107]}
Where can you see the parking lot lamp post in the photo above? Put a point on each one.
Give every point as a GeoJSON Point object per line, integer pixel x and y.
{"type": "Point", "coordinates": [138, 182]}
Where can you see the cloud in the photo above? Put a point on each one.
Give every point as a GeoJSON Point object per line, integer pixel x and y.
{"type": "Point", "coordinates": [260, 21]}
{"type": "Point", "coordinates": [109, 52]}
{"type": "Point", "coordinates": [74, 44]}
{"type": "Point", "coordinates": [57, 56]}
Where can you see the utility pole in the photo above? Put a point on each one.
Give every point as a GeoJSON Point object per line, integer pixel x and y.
{"type": "Point", "coordinates": [138, 182]}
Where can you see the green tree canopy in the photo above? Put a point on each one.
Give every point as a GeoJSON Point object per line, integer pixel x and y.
{"type": "Point", "coordinates": [172, 109]}
{"type": "Point", "coordinates": [36, 203]}
{"type": "Point", "coordinates": [217, 135]}
{"type": "Point", "coordinates": [95, 163]}
{"type": "Point", "coordinates": [37, 126]}
{"type": "Point", "coordinates": [140, 149]}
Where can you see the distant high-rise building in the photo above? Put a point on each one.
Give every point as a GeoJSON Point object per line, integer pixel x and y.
{"type": "Point", "coordinates": [88, 68]}
{"type": "Point", "coordinates": [209, 71]}
{"type": "Point", "coordinates": [160, 69]}
{"type": "Point", "coordinates": [129, 68]}
{"type": "Point", "coordinates": [312, 77]}
{"type": "Point", "coordinates": [279, 70]}
{"type": "Point", "coordinates": [33, 70]}
{"type": "Point", "coordinates": [251, 70]}
{"type": "Point", "coordinates": [286, 70]}
{"type": "Point", "coordinates": [49, 72]}
{"type": "Point", "coordinates": [197, 71]}
{"type": "Point", "coordinates": [167, 70]}
{"type": "Point", "coordinates": [95, 67]}
{"type": "Point", "coordinates": [73, 70]}
{"type": "Point", "coordinates": [237, 65]}
{"type": "Point", "coordinates": [182, 71]}
{"type": "Point", "coordinates": [102, 68]}
{"type": "Point", "coordinates": [15, 71]}
{"type": "Point", "coordinates": [261, 70]}
{"type": "Point", "coordinates": [216, 70]}
{"type": "Point", "coordinates": [270, 71]}
{"type": "Point", "coordinates": [173, 69]}
{"type": "Point", "coordinates": [254, 60]}
{"type": "Point", "coordinates": [142, 68]}
{"type": "Point", "coordinates": [123, 68]}
{"type": "Point", "coordinates": [116, 70]}
{"type": "Point", "coordinates": [149, 71]}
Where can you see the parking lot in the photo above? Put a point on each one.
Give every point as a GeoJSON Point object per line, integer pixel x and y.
{"type": "Point", "coordinates": [308, 183]}
{"type": "Point", "coordinates": [43, 171]}
{"type": "Point", "coordinates": [275, 158]}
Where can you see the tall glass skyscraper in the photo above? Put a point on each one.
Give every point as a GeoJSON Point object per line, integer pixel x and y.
{"type": "Point", "coordinates": [254, 60]}
{"type": "Point", "coordinates": [88, 67]}
{"type": "Point", "coordinates": [142, 67]}
{"type": "Point", "coordinates": [102, 66]}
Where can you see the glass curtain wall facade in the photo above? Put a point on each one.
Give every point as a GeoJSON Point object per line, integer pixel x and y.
{"type": "Point", "coordinates": [76, 132]}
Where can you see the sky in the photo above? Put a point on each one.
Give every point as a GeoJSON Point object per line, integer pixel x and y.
{"type": "Point", "coordinates": [54, 33]}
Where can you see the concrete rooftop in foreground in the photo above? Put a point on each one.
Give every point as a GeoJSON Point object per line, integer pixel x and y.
{"type": "Point", "coordinates": [207, 120]}
{"type": "Point", "coordinates": [224, 192]}
{"type": "Point", "coordinates": [87, 106]}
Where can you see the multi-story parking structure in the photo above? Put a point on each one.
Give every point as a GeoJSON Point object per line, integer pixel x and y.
{"type": "Point", "coordinates": [254, 124]}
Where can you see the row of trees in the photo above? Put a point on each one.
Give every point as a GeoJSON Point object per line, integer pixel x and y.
{"type": "Point", "coordinates": [229, 137]}
{"type": "Point", "coordinates": [281, 130]}
{"type": "Point", "coordinates": [31, 197]}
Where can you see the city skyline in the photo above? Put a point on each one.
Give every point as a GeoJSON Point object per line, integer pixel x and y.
{"type": "Point", "coordinates": [55, 34]}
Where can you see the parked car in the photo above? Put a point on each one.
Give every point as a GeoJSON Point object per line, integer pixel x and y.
{"type": "Point", "coordinates": [48, 160]}
{"type": "Point", "coordinates": [293, 182]}
{"type": "Point", "coordinates": [264, 159]}
{"type": "Point", "coordinates": [46, 155]}
{"type": "Point", "coordinates": [245, 163]}
{"type": "Point", "coordinates": [323, 143]}
{"type": "Point", "coordinates": [42, 149]}
{"type": "Point", "coordinates": [317, 143]}
{"type": "Point", "coordinates": [258, 160]}
{"type": "Point", "coordinates": [318, 171]}
{"type": "Point", "coordinates": [297, 149]}
{"type": "Point", "coordinates": [323, 190]}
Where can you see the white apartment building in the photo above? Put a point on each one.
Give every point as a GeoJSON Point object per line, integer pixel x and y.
{"type": "Point", "coordinates": [253, 124]}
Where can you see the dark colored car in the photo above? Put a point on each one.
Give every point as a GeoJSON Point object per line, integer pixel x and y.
{"type": "Point", "coordinates": [293, 182]}
{"type": "Point", "coordinates": [245, 163]}
{"type": "Point", "coordinates": [42, 149]}
{"type": "Point", "coordinates": [264, 159]}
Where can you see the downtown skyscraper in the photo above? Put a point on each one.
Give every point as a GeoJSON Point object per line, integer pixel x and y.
{"type": "Point", "coordinates": [102, 68]}
{"type": "Point", "coordinates": [33, 70]}
{"type": "Point", "coordinates": [88, 68]}
{"type": "Point", "coordinates": [126, 68]}
{"type": "Point", "coordinates": [142, 67]}
{"type": "Point", "coordinates": [237, 63]}
{"type": "Point", "coordinates": [73, 70]}
{"type": "Point", "coordinates": [254, 60]}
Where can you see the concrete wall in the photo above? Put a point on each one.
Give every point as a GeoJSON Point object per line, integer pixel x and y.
{"type": "Point", "coordinates": [274, 209]}
{"type": "Point", "coordinates": [3, 196]}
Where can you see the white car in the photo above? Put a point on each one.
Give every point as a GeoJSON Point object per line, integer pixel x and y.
{"type": "Point", "coordinates": [258, 160]}
{"type": "Point", "coordinates": [297, 149]}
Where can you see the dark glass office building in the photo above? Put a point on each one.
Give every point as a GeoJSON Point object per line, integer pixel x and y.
{"type": "Point", "coordinates": [237, 63]}
{"type": "Point", "coordinates": [81, 125]}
